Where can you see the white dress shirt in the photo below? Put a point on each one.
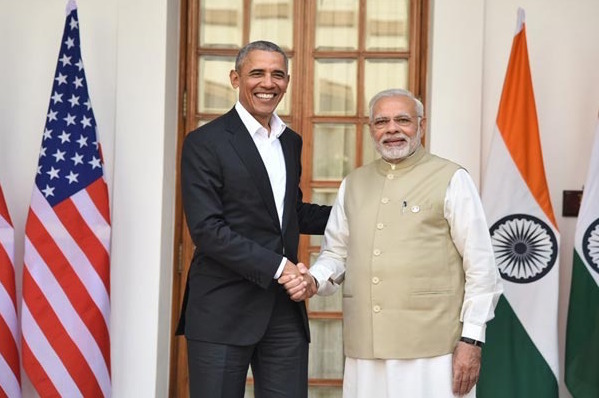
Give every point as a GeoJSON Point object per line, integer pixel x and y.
{"type": "Point", "coordinates": [269, 147]}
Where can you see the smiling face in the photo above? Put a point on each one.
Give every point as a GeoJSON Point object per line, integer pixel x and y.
{"type": "Point", "coordinates": [396, 128]}
{"type": "Point", "coordinates": [262, 80]}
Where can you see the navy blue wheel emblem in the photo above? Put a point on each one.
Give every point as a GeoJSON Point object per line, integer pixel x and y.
{"type": "Point", "coordinates": [590, 245]}
{"type": "Point", "coordinates": [525, 248]}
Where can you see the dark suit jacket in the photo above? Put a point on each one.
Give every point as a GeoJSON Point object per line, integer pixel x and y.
{"type": "Point", "coordinates": [233, 221]}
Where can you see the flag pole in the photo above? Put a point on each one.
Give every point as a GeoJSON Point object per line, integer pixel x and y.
{"type": "Point", "coordinates": [71, 5]}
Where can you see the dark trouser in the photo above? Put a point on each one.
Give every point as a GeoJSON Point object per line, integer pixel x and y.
{"type": "Point", "coordinates": [279, 361]}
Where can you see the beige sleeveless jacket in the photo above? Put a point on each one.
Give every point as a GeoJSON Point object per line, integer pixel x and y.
{"type": "Point", "coordinates": [404, 281]}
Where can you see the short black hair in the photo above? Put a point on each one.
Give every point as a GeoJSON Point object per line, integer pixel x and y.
{"type": "Point", "coordinates": [259, 45]}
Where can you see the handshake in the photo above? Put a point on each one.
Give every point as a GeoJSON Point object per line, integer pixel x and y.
{"type": "Point", "coordinates": [298, 281]}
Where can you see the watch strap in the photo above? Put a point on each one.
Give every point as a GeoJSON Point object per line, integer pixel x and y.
{"type": "Point", "coordinates": [468, 340]}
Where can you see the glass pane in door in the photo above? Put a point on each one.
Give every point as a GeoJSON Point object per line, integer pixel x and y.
{"type": "Point", "coordinates": [337, 24]}
{"type": "Point", "coordinates": [215, 93]}
{"type": "Point", "coordinates": [335, 82]}
{"type": "Point", "coordinates": [325, 392]}
{"type": "Point", "coordinates": [334, 151]}
{"type": "Point", "coordinates": [322, 196]}
{"type": "Point", "coordinates": [272, 20]}
{"type": "Point", "coordinates": [326, 349]}
{"type": "Point", "coordinates": [220, 23]}
{"type": "Point", "coordinates": [387, 25]}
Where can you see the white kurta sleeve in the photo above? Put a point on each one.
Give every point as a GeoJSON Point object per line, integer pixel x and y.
{"type": "Point", "coordinates": [329, 268]}
{"type": "Point", "coordinates": [470, 233]}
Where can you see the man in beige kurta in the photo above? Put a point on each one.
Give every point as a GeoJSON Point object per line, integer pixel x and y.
{"type": "Point", "coordinates": [407, 236]}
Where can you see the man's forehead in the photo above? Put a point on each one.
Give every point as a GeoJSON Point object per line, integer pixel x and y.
{"type": "Point", "coordinates": [264, 60]}
{"type": "Point", "coordinates": [393, 106]}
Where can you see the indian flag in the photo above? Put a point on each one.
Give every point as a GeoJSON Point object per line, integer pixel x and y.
{"type": "Point", "coordinates": [520, 357]}
{"type": "Point", "coordinates": [582, 335]}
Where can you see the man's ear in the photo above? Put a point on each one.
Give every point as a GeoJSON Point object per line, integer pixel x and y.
{"type": "Point", "coordinates": [234, 78]}
{"type": "Point", "coordinates": [423, 125]}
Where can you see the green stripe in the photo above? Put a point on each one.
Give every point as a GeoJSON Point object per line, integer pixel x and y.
{"type": "Point", "coordinates": [582, 335]}
{"type": "Point", "coordinates": [511, 364]}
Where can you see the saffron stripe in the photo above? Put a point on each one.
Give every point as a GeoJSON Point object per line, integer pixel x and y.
{"type": "Point", "coordinates": [518, 124]}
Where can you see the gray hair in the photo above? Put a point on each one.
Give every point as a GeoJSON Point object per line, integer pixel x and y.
{"type": "Point", "coordinates": [259, 45]}
{"type": "Point", "coordinates": [395, 92]}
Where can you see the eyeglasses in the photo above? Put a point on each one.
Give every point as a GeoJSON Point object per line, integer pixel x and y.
{"type": "Point", "coordinates": [403, 121]}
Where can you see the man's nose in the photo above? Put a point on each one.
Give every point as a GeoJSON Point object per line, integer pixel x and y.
{"type": "Point", "coordinates": [394, 126]}
{"type": "Point", "coordinates": [267, 80]}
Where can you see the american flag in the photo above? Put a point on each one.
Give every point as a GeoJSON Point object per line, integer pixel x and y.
{"type": "Point", "coordinates": [10, 373]}
{"type": "Point", "coordinates": [66, 277]}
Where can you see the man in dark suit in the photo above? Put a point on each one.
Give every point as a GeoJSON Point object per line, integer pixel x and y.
{"type": "Point", "coordinates": [240, 179]}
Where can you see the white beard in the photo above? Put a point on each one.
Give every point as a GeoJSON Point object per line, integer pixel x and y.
{"type": "Point", "coordinates": [398, 153]}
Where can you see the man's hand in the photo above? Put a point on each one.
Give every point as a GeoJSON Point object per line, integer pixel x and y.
{"type": "Point", "coordinates": [466, 367]}
{"type": "Point", "coordinates": [292, 279]}
{"type": "Point", "coordinates": [297, 281]}
{"type": "Point", "coordinates": [311, 287]}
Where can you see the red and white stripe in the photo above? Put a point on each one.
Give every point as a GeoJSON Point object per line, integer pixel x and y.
{"type": "Point", "coordinates": [10, 373]}
{"type": "Point", "coordinates": [66, 294]}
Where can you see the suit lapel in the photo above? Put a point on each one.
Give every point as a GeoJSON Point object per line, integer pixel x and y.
{"type": "Point", "coordinates": [248, 153]}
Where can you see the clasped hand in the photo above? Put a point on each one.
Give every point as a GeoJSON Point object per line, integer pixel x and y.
{"type": "Point", "coordinates": [298, 281]}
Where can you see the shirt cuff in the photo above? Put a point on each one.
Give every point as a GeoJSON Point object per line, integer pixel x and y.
{"type": "Point", "coordinates": [473, 331]}
{"type": "Point", "coordinates": [280, 269]}
{"type": "Point", "coordinates": [322, 276]}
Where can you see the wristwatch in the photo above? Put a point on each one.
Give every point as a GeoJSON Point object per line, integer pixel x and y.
{"type": "Point", "coordinates": [468, 340]}
{"type": "Point", "coordinates": [316, 282]}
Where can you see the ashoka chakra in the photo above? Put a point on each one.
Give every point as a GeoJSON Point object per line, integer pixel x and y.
{"type": "Point", "coordinates": [590, 245]}
{"type": "Point", "coordinates": [525, 247]}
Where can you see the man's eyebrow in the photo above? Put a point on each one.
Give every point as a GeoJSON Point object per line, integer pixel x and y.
{"type": "Point", "coordinates": [276, 71]}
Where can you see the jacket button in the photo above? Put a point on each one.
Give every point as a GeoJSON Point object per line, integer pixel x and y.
{"type": "Point", "coordinates": [376, 308]}
{"type": "Point", "coordinates": [380, 225]}
{"type": "Point", "coordinates": [375, 280]}
{"type": "Point", "coordinates": [385, 200]}
{"type": "Point", "coordinates": [376, 252]}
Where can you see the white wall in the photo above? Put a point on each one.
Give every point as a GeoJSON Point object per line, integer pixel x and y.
{"type": "Point", "coordinates": [144, 189]}
{"type": "Point", "coordinates": [130, 52]}
{"type": "Point", "coordinates": [455, 82]}
{"type": "Point", "coordinates": [467, 79]}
